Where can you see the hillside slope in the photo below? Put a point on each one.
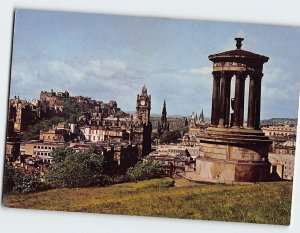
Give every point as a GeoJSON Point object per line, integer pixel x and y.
{"type": "Point", "coordinates": [257, 203]}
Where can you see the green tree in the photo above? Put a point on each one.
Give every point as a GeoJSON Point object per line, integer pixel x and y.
{"type": "Point", "coordinates": [8, 178]}
{"type": "Point", "coordinates": [14, 181]}
{"type": "Point", "coordinates": [59, 154]}
{"type": "Point", "coordinates": [170, 137]}
{"type": "Point", "coordinates": [33, 131]}
{"type": "Point", "coordinates": [71, 110]}
{"type": "Point", "coordinates": [145, 170]}
{"type": "Point", "coordinates": [80, 169]}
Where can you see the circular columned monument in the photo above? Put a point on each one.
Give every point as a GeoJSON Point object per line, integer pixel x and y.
{"type": "Point", "coordinates": [231, 150]}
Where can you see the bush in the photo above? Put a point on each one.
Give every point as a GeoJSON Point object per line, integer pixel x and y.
{"type": "Point", "coordinates": [16, 182]}
{"type": "Point", "coordinates": [170, 137]}
{"type": "Point", "coordinates": [26, 184]}
{"type": "Point", "coordinates": [71, 169]}
{"type": "Point", "coordinates": [145, 170]}
{"type": "Point", "coordinates": [8, 178]}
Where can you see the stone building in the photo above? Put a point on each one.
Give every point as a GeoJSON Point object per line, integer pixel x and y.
{"type": "Point", "coordinates": [55, 135]}
{"type": "Point", "coordinates": [282, 165]}
{"type": "Point", "coordinates": [96, 133]}
{"type": "Point", "coordinates": [287, 147]}
{"type": "Point", "coordinates": [280, 131]}
{"type": "Point", "coordinates": [53, 97]}
{"type": "Point", "coordinates": [142, 127]}
{"type": "Point", "coordinates": [231, 151]}
{"type": "Point", "coordinates": [12, 151]}
{"type": "Point", "coordinates": [175, 159]}
{"type": "Point", "coordinates": [39, 151]}
{"type": "Point", "coordinates": [174, 122]}
{"type": "Point", "coordinates": [19, 113]}
{"type": "Point", "coordinates": [196, 125]}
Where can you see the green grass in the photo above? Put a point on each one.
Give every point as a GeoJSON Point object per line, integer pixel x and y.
{"type": "Point", "coordinates": [268, 203]}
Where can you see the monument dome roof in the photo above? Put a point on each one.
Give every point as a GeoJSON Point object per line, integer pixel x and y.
{"type": "Point", "coordinates": [238, 54]}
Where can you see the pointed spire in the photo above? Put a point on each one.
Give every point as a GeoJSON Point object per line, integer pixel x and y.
{"type": "Point", "coordinates": [144, 90]}
{"type": "Point", "coordinates": [164, 116]}
{"type": "Point", "coordinates": [164, 111]}
{"type": "Point", "coordinates": [201, 116]}
{"type": "Point", "coordinates": [192, 120]}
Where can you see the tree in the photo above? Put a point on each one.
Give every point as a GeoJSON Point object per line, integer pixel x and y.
{"type": "Point", "coordinates": [8, 178]}
{"type": "Point", "coordinates": [82, 169]}
{"type": "Point", "coordinates": [59, 154]}
{"type": "Point", "coordinates": [33, 131]}
{"type": "Point", "coordinates": [149, 169]}
{"type": "Point", "coordinates": [14, 181]}
{"type": "Point", "coordinates": [71, 110]}
{"type": "Point", "coordinates": [170, 137]}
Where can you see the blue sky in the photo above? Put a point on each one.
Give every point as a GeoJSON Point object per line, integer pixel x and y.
{"type": "Point", "coordinates": [112, 57]}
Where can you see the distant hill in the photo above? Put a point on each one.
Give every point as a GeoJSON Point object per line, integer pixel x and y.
{"type": "Point", "coordinates": [279, 121]}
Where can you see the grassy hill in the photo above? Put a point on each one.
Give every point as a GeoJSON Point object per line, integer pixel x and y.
{"type": "Point", "coordinates": [257, 203]}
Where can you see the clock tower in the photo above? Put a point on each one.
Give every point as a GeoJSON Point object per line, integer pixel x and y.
{"type": "Point", "coordinates": [142, 125]}
{"type": "Point", "coordinates": [143, 107]}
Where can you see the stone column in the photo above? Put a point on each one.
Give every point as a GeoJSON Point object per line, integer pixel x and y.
{"type": "Point", "coordinates": [239, 99]}
{"type": "Point", "coordinates": [242, 99]}
{"type": "Point", "coordinates": [227, 96]}
{"type": "Point", "coordinates": [251, 103]}
{"type": "Point", "coordinates": [258, 78]}
{"type": "Point", "coordinates": [215, 99]}
{"type": "Point", "coordinates": [222, 113]}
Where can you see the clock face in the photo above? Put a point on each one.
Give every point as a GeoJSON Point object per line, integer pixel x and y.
{"type": "Point", "coordinates": [143, 102]}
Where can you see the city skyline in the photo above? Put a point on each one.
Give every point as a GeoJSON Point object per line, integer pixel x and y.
{"type": "Point", "coordinates": [112, 57]}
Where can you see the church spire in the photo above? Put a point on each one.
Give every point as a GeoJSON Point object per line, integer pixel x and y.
{"type": "Point", "coordinates": [164, 123]}
{"type": "Point", "coordinates": [201, 118]}
{"type": "Point", "coordinates": [144, 90]}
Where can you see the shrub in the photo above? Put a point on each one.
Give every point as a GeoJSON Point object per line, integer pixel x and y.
{"type": "Point", "coordinates": [170, 137]}
{"type": "Point", "coordinates": [16, 182]}
{"type": "Point", "coordinates": [8, 178]}
{"type": "Point", "coordinates": [71, 169]}
{"type": "Point", "coordinates": [145, 170]}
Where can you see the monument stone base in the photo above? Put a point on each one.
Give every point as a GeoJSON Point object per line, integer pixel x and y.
{"type": "Point", "coordinates": [233, 155]}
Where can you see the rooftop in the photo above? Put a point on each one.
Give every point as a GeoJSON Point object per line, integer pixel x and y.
{"type": "Point", "coordinates": [238, 54]}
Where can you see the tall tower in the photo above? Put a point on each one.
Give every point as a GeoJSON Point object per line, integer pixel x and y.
{"type": "Point", "coordinates": [164, 122]}
{"type": "Point", "coordinates": [142, 125]}
{"type": "Point", "coordinates": [143, 107]}
{"type": "Point", "coordinates": [201, 118]}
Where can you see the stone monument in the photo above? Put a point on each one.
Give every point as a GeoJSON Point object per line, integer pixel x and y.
{"type": "Point", "coordinates": [232, 151]}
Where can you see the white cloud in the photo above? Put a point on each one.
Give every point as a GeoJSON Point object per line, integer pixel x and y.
{"type": "Point", "coordinates": [201, 70]}
{"type": "Point", "coordinates": [185, 90]}
{"type": "Point", "coordinates": [279, 98]}
{"type": "Point", "coordinates": [100, 79]}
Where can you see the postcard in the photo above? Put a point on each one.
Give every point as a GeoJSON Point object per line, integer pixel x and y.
{"type": "Point", "coordinates": [144, 116]}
